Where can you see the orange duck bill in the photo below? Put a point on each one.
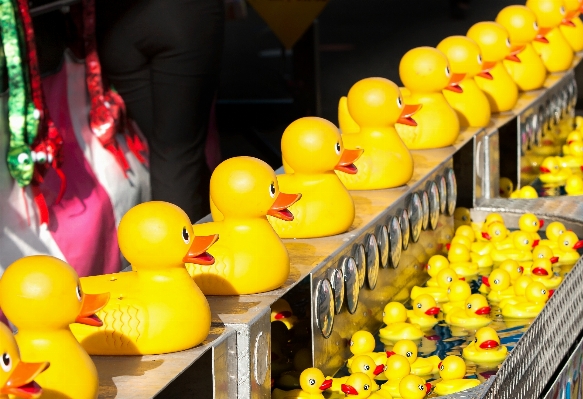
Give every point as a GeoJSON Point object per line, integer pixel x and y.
{"type": "Point", "coordinates": [568, 20]}
{"type": "Point", "coordinates": [282, 202]}
{"type": "Point", "coordinates": [514, 51]}
{"type": "Point", "coordinates": [347, 159]}
{"type": "Point", "coordinates": [406, 116]}
{"type": "Point", "coordinates": [541, 35]}
{"type": "Point", "coordinates": [21, 382]}
{"type": "Point", "coordinates": [454, 82]}
{"type": "Point", "coordinates": [485, 72]}
{"type": "Point", "coordinates": [92, 303]}
{"type": "Point", "coordinates": [197, 253]}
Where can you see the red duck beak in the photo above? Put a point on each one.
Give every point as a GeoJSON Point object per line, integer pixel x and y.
{"type": "Point", "coordinates": [483, 311]}
{"type": "Point", "coordinates": [346, 163]}
{"type": "Point", "coordinates": [92, 303]}
{"type": "Point", "coordinates": [541, 35]}
{"type": "Point", "coordinates": [348, 389]}
{"type": "Point", "coordinates": [551, 292]}
{"type": "Point", "coordinates": [282, 202]}
{"type": "Point", "coordinates": [408, 112]}
{"type": "Point", "coordinates": [541, 223]}
{"type": "Point", "coordinates": [439, 366]}
{"type": "Point", "coordinates": [283, 315]}
{"type": "Point", "coordinates": [485, 281]}
{"type": "Point", "coordinates": [521, 269]}
{"type": "Point", "coordinates": [21, 382]}
{"type": "Point", "coordinates": [489, 344]}
{"type": "Point", "coordinates": [379, 369]}
{"type": "Point", "coordinates": [454, 82]}
{"type": "Point", "coordinates": [462, 278]}
{"type": "Point", "coordinates": [326, 385]}
{"type": "Point", "coordinates": [535, 243]}
{"type": "Point", "coordinates": [486, 68]}
{"type": "Point", "coordinates": [544, 170]}
{"type": "Point", "coordinates": [197, 253]}
{"type": "Point", "coordinates": [390, 353]}
{"type": "Point", "coordinates": [486, 236]}
{"type": "Point", "coordinates": [578, 244]}
{"type": "Point", "coordinates": [428, 387]}
{"type": "Point", "coordinates": [447, 246]}
{"type": "Point", "coordinates": [513, 56]}
{"type": "Point", "coordinates": [539, 271]}
{"type": "Point", "coordinates": [554, 259]}
{"type": "Point", "coordinates": [432, 311]}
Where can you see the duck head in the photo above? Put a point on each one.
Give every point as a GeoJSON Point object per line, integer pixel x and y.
{"type": "Point", "coordinates": [554, 230]}
{"type": "Point", "coordinates": [458, 253]}
{"type": "Point", "coordinates": [461, 240]}
{"type": "Point", "coordinates": [466, 231]}
{"type": "Point", "coordinates": [498, 280]}
{"type": "Point", "coordinates": [495, 232]}
{"type": "Point", "coordinates": [506, 187]}
{"type": "Point", "coordinates": [542, 267]}
{"type": "Point", "coordinates": [312, 381]}
{"type": "Point", "coordinates": [357, 386]}
{"type": "Point", "coordinates": [493, 217]}
{"type": "Point", "coordinates": [464, 57]}
{"type": "Point", "coordinates": [574, 136]}
{"type": "Point", "coordinates": [436, 263]}
{"type": "Point", "coordinates": [314, 145]}
{"type": "Point", "coordinates": [397, 367]}
{"type": "Point", "coordinates": [512, 267]}
{"type": "Point", "coordinates": [406, 348]}
{"type": "Point", "coordinates": [521, 24]}
{"type": "Point", "coordinates": [452, 368]}
{"type": "Point", "coordinates": [365, 364]}
{"type": "Point", "coordinates": [523, 242]}
{"type": "Point", "coordinates": [414, 387]}
{"type": "Point", "coordinates": [574, 185]}
{"type": "Point", "coordinates": [459, 290]}
{"type": "Point", "coordinates": [569, 241]}
{"type": "Point", "coordinates": [494, 42]}
{"type": "Point", "coordinates": [280, 310]}
{"type": "Point", "coordinates": [544, 252]}
{"type": "Point", "coordinates": [425, 305]}
{"type": "Point", "coordinates": [426, 70]}
{"type": "Point", "coordinates": [550, 165]}
{"type": "Point", "coordinates": [574, 8]}
{"type": "Point", "coordinates": [486, 339]}
{"type": "Point", "coordinates": [463, 216]}
{"type": "Point", "coordinates": [394, 312]}
{"type": "Point", "coordinates": [43, 293]}
{"type": "Point", "coordinates": [536, 292]}
{"type": "Point", "coordinates": [530, 223]}
{"type": "Point", "coordinates": [520, 285]}
{"type": "Point", "coordinates": [477, 305]}
{"type": "Point", "coordinates": [446, 277]}
{"type": "Point", "coordinates": [549, 13]}
{"type": "Point", "coordinates": [362, 342]}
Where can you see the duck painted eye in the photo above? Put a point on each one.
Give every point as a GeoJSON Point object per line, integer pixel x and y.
{"type": "Point", "coordinates": [421, 387]}
{"type": "Point", "coordinates": [507, 42]}
{"type": "Point", "coordinates": [449, 279]}
{"type": "Point", "coordinates": [447, 72]}
{"type": "Point", "coordinates": [562, 10]}
{"type": "Point", "coordinates": [519, 270]}
{"type": "Point", "coordinates": [399, 102]}
{"type": "Point", "coordinates": [497, 232]}
{"type": "Point", "coordinates": [476, 340]}
{"type": "Point", "coordinates": [566, 242]}
{"type": "Point", "coordinates": [312, 381]}
{"type": "Point", "coordinates": [185, 236]}
{"type": "Point", "coordinates": [544, 292]}
{"type": "Point", "coordinates": [480, 59]}
{"type": "Point", "coordinates": [525, 242]}
{"type": "Point", "coordinates": [351, 343]}
{"type": "Point", "coordinates": [272, 190]}
{"type": "Point", "coordinates": [78, 292]}
{"type": "Point", "coordinates": [441, 367]}
{"type": "Point", "coordinates": [496, 281]}
{"type": "Point", "coordinates": [419, 306]}
{"type": "Point", "coordinates": [337, 148]}
{"type": "Point", "coordinates": [469, 305]}
{"type": "Point", "coordinates": [540, 257]}
{"type": "Point", "coordinates": [409, 354]}
{"type": "Point", "coordinates": [6, 362]}
{"type": "Point", "coordinates": [366, 367]}
{"type": "Point", "coordinates": [366, 387]}
{"type": "Point", "coordinates": [535, 26]}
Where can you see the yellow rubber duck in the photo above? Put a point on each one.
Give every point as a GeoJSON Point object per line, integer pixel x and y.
{"type": "Point", "coordinates": [519, 290]}
{"type": "Point", "coordinates": [460, 260]}
{"type": "Point", "coordinates": [494, 44]}
{"type": "Point", "coordinates": [461, 217]}
{"type": "Point", "coordinates": [414, 387]}
{"type": "Point", "coordinates": [472, 106]}
{"type": "Point", "coordinates": [513, 268]}
{"type": "Point", "coordinates": [17, 377]}
{"type": "Point", "coordinates": [551, 171]}
{"type": "Point", "coordinates": [312, 150]}
{"type": "Point", "coordinates": [520, 251]}
{"type": "Point", "coordinates": [499, 283]}
{"type": "Point", "coordinates": [553, 232]}
{"type": "Point", "coordinates": [419, 365]}
{"type": "Point", "coordinates": [374, 106]}
{"type": "Point", "coordinates": [574, 185]}
{"type": "Point", "coordinates": [466, 231]}
{"type": "Point", "coordinates": [557, 54]}
{"type": "Point", "coordinates": [506, 187]}
{"type": "Point", "coordinates": [542, 270]}
{"type": "Point", "coordinates": [360, 386]}
{"type": "Point", "coordinates": [312, 382]}
{"type": "Point", "coordinates": [567, 246]}
{"type": "Point", "coordinates": [529, 223]}
{"type": "Point", "coordinates": [363, 343]}
{"type": "Point", "coordinates": [243, 191]}
{"type": "Point", "coordinates": [151, 308]}
{"type": "Point", "coordinates": [395, 317]}
{"type": "Point", "coordinates": [424, 311]}
{"type": "Point", "coordinates": [541, 251]}
{"type": "Point", "coordinates": [436, 264]}
{"type": "Point", "coordinates": [397, 368]}
{"type": "Point", "coordinates": [497, 236]}
{"type": "Point", "coordinates": [525, 192]}
{"type": "Point", "coordinates": [42, 296]}
{"type": "Point", "coordinates": [572, 27]}
{"type": "Point", "coordinates": [458, 292]}
{"type": "Point", "coordinates": [475, 314]}
{"type": "Point", "coordinates": [425, 72]}
{"type": "Point", "coordinates": [281, 311]}
{"type": "Point", "coordinates": [444, 279]}
{"type": "Point", "coordinates": [360, 364]}
{"type": "Point", "coordinates": [452, 370]}
{"type": "Point", "coordinates": [485, 348]}
{"type": "Point", "coordinates": [536, 295]}
{"type": "Point", "coordinates": [573, 137]}
{"type": "Point", "coordinates": [520, 22]}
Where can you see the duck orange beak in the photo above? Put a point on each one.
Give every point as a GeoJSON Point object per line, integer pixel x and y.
{"type": "Point", "coordinates": [432, 311]}
{"type": "Point", "coordinates": [347, 159]}
{"type": "Point", "coordinates": [568, 20]}
{"type": "Point", "coordinates": [485, 72]}
{"type": "Point", "coordinates": [535, 243]}
{"type": "Point", "coordinates": [454, 82]}
{"type": "Point", "coordinates": [544, 169]}
{"type": "Point", "coordinates": [379, 369]}
{"type": "Point", "coordinates": [578, 244]}
{"type": "Point", "coordinates": [514, 51]}
{"type": "Point", "coordinates": [92, 303]}
{"type": "Point", "coordinates": [348, 389]}
{"type": "Point", "coordinates": [197, 253]}
{"type": "Point", "coordinates": [483, 311]}
{"type": "Point", "coordinates": [282, 202]}
{"type": "Point", "coordinates": [485, 281]}
{"type": "Point", "coordinates": [539, 271]}
{"type": "Point", "coordinates": [486, 236]}
{"type": "Point", "coordinates": [554, 259]}
{"type": "Point", "coordinates": [489, 344]}
{"type": "Point", "coordinates": [21, 382]}
{"type": "Point", "coordinates": [283, 315]}
{"type": "Point", "coordinates": [541, 35]}
{"type": "Point", "coordinates": [326, 385]}
{"type": "Point", "coordinates": [408, 112]}
{"type": "Point", "coordinates": [541, 223]}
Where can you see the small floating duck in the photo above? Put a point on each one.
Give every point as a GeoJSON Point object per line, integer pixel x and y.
{"type": "Point", "coordinates": [436, 264]}
{"type": "Point", "coordinates": [499, 283]}
{"type": "Point", "coordinates": [557, 54]}
{"type": "Point", "coordinates": [312, 382]}
{"type": "Point", "coordinates": [529, 223]}
{"type": "Point", "coordinates": [395, 317]}
{"type": "Point", "coordinates": [359, 386]}
{"type": "Point", "coordinates": [506, 187]}
{"type": "Point", "coordinates": [574, 185]}
{"type": "Point", "coordinates": [494, 44]}
{"type": "Point", "coordinates": [497, 238]}
{"type": "Point", "coordinates": [536, 295]}
{"type": "Point", "coordinates": [42, 296]}
{"type": "Point", "coordinates": [17, 377]}
{"type": "Point", "coordinates": [520, 22]}
{"type": "Point", "coordinates": [424, 311]}
{"type": "Point", "coordinates": [553, 231]}
{"type": "Point", "coordinates": [573, 137]}
{"type": "Point", "coordinates": [414, 387]}
{"type": "Point", "coordinates": [460, 261]}
{"type": "Point", "coordinates": [425, 72]}
{"type": "Point", "coordinates": [452, 370]}
{"type": "Point", "coordinates": [360, 364]}
{"type": "Point", "coordinates": [520, 251]}
{"type": "Point", "coordinates": [397, 368]}
{"type": "Point", "coordinates": [461, 217]}
{"type": "Point", "coordinates": [419, 365]}
{"type": "Point", "coordinates": [281, 311]}
{"type": "Point", "coordinates": [375, 105]}
{"type": "Point", "coordinates": [472, 106]}
{"type": "Point", "coordinates": [466, 231]}
{"type": "Point", "coordinates": [444, 279]}
{"type": "Point", "coordinates": [475, 314]}
{"type": "Point", "coordinates": [458, 292]}
{"type": "Point", "coordinates": [513, 268]}
{"type": "Point", "coordinates": [542, 270]}
{"type": "Point", "coordinates": [243, 191]}
{"type": "Point", "coordinates": [567, 246]}
{"type": "Point", "coordinates": [525, 192]}
{"type": "Point", "coordinates": [485, 348]}
{"type": "Point", "coordinates": [363, 343]}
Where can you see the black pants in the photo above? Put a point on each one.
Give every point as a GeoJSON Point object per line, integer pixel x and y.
{"type": "Point", "coordinates": [163, 57]}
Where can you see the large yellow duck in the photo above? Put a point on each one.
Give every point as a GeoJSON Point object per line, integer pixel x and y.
{"type": "Point", "coordinates": [395, 317]}
{"type": "Point", "coordinates": [500, 285]}
{"type": "Point", "coordinates": [444, 279]}
{"type": "Point", "coordinates": [557, 54]}
{"type": "Point", "coordinates": [312, 383]}
{"type": "Point", "coordinates": [156, 308]}
{"type": "Point", "coordinates": [458, 292]}
{"type": "Point", "coordinates": [542, 270]}
{"type": "Point", "coordinates": [363, 343]}
{"type": "Point", "coordinates": [360, 364]}
{"type": "Point", "coordinates": [425, 72]}
{"type": "Point", "coordinates": [424, 311]}
{"type": "Point", "coordinates": [572, 28]}
{"type": "Point", "coordinates": [367, 118]}
{"type": "Point", "coordinates": [520, 22]}
{"type": "Point", "coordinates": [243, 191]}
{"type": "Point", "coordinates": [42, 296]}
{"type": "Point", "coordinates": [17, 377]}
{"type": "Point", "coordinates": [312, 150]}
{"type": "Point", "coordinates": [397, 368]}
{"type": "Point", "coordinates": [529, 223]}
{"type": "Point", "coordinates": [536, 295]}
{"type": "Point", "coordinates": [567, 246]}
{"type": "Point", "coordinates": [452, 371]}
{"type": "Point", "coordinates": [494, 44]}
{"type": "Point", "coordinates": [485, 348]}
{"type": "Point", "coordinates": [475, 314]}
{"type": "Point", "coordinates": [472, 106]}
{"type": "Point", "coordinates": [414, 387]}
{"type": "Point", "coordinates": [419, 365]}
